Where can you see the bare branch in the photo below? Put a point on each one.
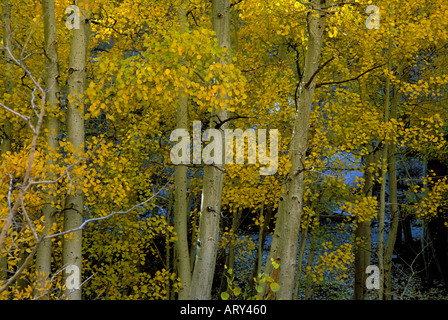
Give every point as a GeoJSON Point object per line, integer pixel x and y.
{"type": "Point", "coordinates": [25, 213]}
{"type": "Point", "coordinates": [318, 69]}
{"type": "Point", "coordinates": [138, 205]}
{"type": "Point", "coordinates": [351, 79]}
{"type": "Point", "coordinates": [20, 270]}
{"type": "Point", "coordinates": [27, 119]}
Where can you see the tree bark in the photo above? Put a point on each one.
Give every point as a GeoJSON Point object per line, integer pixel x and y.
{"type": "Point", "coordinates": [43, 256]}
{"type": "Point", "coordinates": [5, 137]}
{"type": "Point", "coordinates": [393, 199]}
{"type": "Point", "coordinates": [207, 246]}
{"type": "Point", "coordinates": [302, 246]}
{"type": "Point", "coordinates": [382, 210]}
{"type": "Point", "coordinates": [285, 239]}
{"type": "Point", "coordinates": [311, 254]}
{"type": "Point", "coordinates": [73, 214]}
{"type": "Point", "coordinates": [363, 235]}
{"type": "Point", "coordinates": [180, 180]}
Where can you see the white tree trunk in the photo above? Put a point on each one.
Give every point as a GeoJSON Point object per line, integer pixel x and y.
{"type": "Point", "coordinates": [285, 240]}
{"type": "Point", "coordinates": [43, 257]}
{"type": "Point", "coordinates": [204, 266]}
{"type": "Point", "coordinates": [72, 246]}
{"type": "Point", "coordinates": [180, 179]}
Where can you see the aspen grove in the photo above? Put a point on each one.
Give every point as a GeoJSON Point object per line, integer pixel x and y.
{"type": "Point", "coordinates": [223, 149]}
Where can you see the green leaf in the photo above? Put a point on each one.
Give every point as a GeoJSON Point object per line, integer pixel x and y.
{"type": "Point", "coordinates": [237, 291]}
{"type": "Point", "coordinates": [224, 295]}
{"type": "Point", "coordinates": [275, 287]}
{"type": "Point", "coordinates": [258, 288]}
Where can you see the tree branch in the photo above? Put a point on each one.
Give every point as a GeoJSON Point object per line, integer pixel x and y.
{"type": "Point", "coordinates": [307, 85]}
{"type": "Point", "coordinates": [348, 80]}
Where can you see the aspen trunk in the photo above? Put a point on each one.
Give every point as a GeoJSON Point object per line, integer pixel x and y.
{"type": "Point", "coordinates": [73, 215]}
{"type": "Point", "coordinates": [309, 263]}
{"type": "Point", "coordinates": [384, 167]}
{"type": "Point", "coordinates": [180, 180]}
{"type": "Point", "coordinates": [285, 239]}
{"type": "Point", "coordinates": [302, 247]}
{"type": "Point", "coordinates": [5, 137]}
{"type": "Point", "coordinates": [393, 199]}
{"type": "Point", "coordinates": [207, 246]}
{"type": "Point", "coordinates": [232, 246]}
{"type": "Point", "coordinates": [43, 256]}
{"type": "Point", "coordinates": [363, 235]}
{"type": "Point", "coordinates": [262, 234]}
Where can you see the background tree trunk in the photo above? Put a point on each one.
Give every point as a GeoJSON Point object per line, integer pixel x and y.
{"type": "Point", "coordinates": [5, 136]}
{"type": "Point", "coordinates": [43, 257]}
{"type": "Point", "coordinates": [393, 199]}
{"type": "Point", "coordinates": [363, 235]}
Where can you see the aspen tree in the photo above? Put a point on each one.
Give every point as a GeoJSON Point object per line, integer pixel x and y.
{"type": "Point", "coordinates": [180, 180]}
{"type": "Point", "coordinates": [73, 213]}
{"type": "Point", "coordinates": [43, 257]}
{"type": "Point", "coordinates": [5, 138]}
{"type": "Point", "coordinates": [285, 238]}
{"type": "Point", "coordinates": [204, 266]}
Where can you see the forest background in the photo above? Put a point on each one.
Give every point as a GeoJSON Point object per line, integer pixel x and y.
{"type": "Point", "coordinates": [92, 207]}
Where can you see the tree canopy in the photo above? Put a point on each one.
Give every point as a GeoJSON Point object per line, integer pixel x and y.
{"type": "Point", "coordinates": [345, 101]}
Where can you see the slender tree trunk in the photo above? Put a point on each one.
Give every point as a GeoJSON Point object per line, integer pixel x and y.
{"type": "Point", "coordinates": [180, 180]}
{"type": "Point", "coordinates": [230, 258]}
{"type": "Point", "coordinates": [168, 245]}
{"type": "Point", "coordinates": [302, 247]}
{"type": "Point", "coordinates": [5, 135]}
{"type": "Point", "coordinates": [73, 214]}
{"type": "Point", "coordinates": [262, 234]}
{"type": "Point", "coordinates": [232, 247]}
{"type": "Point", "coordinates": [309, 264]}
{"type": "Point", "coordinates": [205, 262]}
{"type": "Point", "coordinates": [6, 131]}
{"type": "Point", "coordinates": [43, 257]}
{"type": "Point", "coordinates": [363, 234]}
{"type": "Point", "coordinates": [257, 265]}
{"type": "Point", "coordinates": [384, 167]}
{"type": "Point", "coordinates": [285, 239]}
{"type": "Point", "coordinates": [393, 199]}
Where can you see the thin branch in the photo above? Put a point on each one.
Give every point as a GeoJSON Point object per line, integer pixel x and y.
{"type": "Point", "coordinates": [107, 216]}
{"type": "Point", "coordinates": [11, 180]}
{"type": "Point", "coordinates": [351, 79]}
{"type": "Point", "coordinates": [25, 213]}
{"type": "Point", "coordinates": [27, 119]}
{"type": "Point", "coordinates": [20, 270]}
{"type": "Point", "coordinates": [73, 290]}
{"type": "Point", "coordinates": [61, 176]}
{"type": "Point", "coordinates": [307, 85]}
{"type": "Point", "coordinates": [235, 3]}
{"type": "Point", "coordinates": [222, 122]}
